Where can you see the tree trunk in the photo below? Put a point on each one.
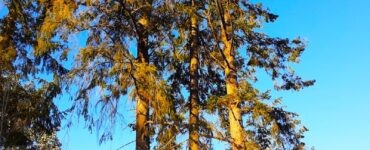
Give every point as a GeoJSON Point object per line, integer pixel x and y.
{"type": "Point", "coordinates": [194, 98]}
{"type": "Point", "coordinates": [142, 129]}
{"type": "Point", "coordinates": [142, 105]}
{"type": "Point", "coordinates": [235, 116]}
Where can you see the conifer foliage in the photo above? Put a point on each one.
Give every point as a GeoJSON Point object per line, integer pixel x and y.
{"type": "Point", "coordinates": [29, 118]}
{"type": "Point", "coordinates": [179, 61]}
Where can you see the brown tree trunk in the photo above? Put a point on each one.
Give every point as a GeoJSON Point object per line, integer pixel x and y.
{"type": "Point", "coordinates": [142, 129]}
{"type": "Point", "coordinates": [235, 116]}
{"type": "Point", "coordinates": [194, 98]}
{"type": "Point", "coordinates": [142, 102]}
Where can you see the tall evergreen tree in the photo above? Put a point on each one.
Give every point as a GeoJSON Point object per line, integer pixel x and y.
{"type": "Point", "coordinates": [233, 27]}
{"type": "Point", "coordinates": [193, 68]}
{"type": "Point", "coordinates": [108, 63]}
{"type": "Point", "coordinates": [29, 117]}
{"type": "Point", "coordinates": [235, 116]}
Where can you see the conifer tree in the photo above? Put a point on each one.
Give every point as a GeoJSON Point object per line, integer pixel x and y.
{"type": "Point", "coordinates": [233, 26]}
{"type": "Point", "coordinates": [193, 68]}
{"type": "Point", "coordinates": [29, 117]}
{"type": "Point", "coordinates": [235, 116]}
{"type": "Point", "coordinates": [108, 63]}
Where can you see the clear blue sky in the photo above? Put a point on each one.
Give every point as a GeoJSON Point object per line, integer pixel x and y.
{"type": "Point", "coordinates": [336, 108]}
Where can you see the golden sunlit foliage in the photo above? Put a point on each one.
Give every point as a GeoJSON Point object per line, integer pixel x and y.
{"type": "Point", "coordinates": [58, 13]}
{"type": "Point", "coordinates": [189, 67]}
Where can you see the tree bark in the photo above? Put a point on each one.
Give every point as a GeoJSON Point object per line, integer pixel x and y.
{"type": "Point", "coordinates": [235, 116]}
{"type": "Point", "coordinates": [142, 103]}
{"type": "Point", "coordinates": [194, 98]}
{"type": "Point", "coordinates": [142, 129]}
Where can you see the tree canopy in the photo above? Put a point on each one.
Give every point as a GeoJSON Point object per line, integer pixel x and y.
{"type": "Point", "coordinates": [181, 62]}
{"type": "Point", "coordinates": [29, 117]}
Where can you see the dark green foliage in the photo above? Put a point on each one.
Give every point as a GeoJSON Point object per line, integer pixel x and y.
{"type": "Point", "coordinates": [29, 118]}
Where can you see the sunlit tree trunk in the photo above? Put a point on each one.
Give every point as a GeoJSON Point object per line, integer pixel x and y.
{"type": "Point", "coordinates": [142, 106]}
{"type": "Point", "coordinates": [142, 129]}
{"type": "Point", "coordinates": [235, 116]}
{"type": "Point", "coordinates": [194, 98]}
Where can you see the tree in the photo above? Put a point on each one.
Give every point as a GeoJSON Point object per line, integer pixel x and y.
{"type": "Point", "coordinates": [193, 68]}
{"type": "Point", "coordinates": [235, 116]}
{"type": "Point", "coordinates": [233, 27]}
{"type": "Point", "coordinates": [108, 63]}
{"type": "Point", "coordinates": [29, 117]}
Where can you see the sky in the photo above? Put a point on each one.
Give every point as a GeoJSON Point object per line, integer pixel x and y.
{"type": "Point", "coordinates": [335, 110]}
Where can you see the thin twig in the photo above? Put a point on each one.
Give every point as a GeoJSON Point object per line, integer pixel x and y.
{"type": "Point", "coordinates": [126, 144]}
